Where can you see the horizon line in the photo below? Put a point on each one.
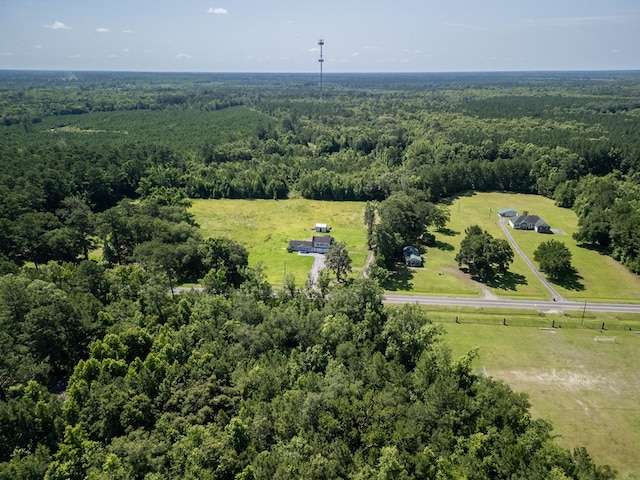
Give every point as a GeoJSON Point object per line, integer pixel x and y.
{"type": "Point", "coordinates": [398, 72]}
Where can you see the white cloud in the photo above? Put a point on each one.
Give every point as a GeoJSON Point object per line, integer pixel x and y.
{"type": "Point", "coordinates": [314, 49]}
{"type": "Point", "coordinates": [183, 55]}
{"type": "Point", "coordinates": [127, 31]}
{"type": "Point", "coordinates": [58, 26]}
{"type": "Point", "coordinates": [103, 30]}
{"type": "Point", "coordinates": [38, 47]}
{"type": "Point", "coordinates": [355, 54]}
{"type": "Point", "coordinates": [218, 11]}
{"type": "Point", "coordinates": [615, 50]}
{"type": "Point", "coordinates": [6, 54]}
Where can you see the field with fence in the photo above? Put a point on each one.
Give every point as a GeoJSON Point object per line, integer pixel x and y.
{"type": "Point", "coordinates": [588, 389]}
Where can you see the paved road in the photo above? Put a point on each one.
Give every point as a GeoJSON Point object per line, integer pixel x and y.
{"type": "Point", "coordinates": [554, 293]}
{"type": "Point", "coordinates": [541, 305]}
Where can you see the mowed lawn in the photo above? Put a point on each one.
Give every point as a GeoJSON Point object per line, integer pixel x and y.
{"type": "Point", "coordinates": [588, 390]}
{"type": "Point", "coordinates": [265, 227]}
{"type": "Point", "coordinates": [599, 278]}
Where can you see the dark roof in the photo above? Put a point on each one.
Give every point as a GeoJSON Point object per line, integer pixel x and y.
{"type": "Point", "coordinates": [410, 250]}
{"type": "Point", "coordinates": [531, 220]}
{"type": "Point", "coordinates": [300, 243]}
{"type": "Point", "coordinates": [320, 241]}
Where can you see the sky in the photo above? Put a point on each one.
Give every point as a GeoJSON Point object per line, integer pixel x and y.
{"type": "Point", "coordinates": [282, 36]}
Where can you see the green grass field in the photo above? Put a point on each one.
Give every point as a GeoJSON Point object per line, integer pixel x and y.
{"type": "Point", "coordinates": [588, 390]}
{"type": "Point", "coordinates": [265, 227]}
{"type": "Point", "coordinates": [599, 279]}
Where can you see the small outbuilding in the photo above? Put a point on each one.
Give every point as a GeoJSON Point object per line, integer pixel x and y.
{"type": "Point", "coordinates": [412, 256]}
{"type": "Point", "coordinates": [508, 212]}
{"type": "Point", "coordinates": [322, 227]}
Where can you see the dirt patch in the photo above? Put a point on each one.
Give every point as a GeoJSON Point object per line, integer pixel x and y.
{"type": "Point", "coordinates": [486, 293]}
{"type": "Point", "coordinates": [568, 380]}
{"type": "Point", "coordinates": [464, 276]}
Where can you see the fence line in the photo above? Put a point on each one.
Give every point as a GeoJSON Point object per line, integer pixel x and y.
{"type": "Point", "coordinates": [590, 324]}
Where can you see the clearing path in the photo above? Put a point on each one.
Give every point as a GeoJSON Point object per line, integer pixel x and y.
{"type": "Point", "coordinates": [556, 296]}
{"type": "Point", "coordinates": [318, 264]}
{"type": "Point", "coordinates": [367, 262]}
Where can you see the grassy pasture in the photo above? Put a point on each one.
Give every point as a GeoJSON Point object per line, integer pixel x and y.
{"type": "Point", "coordinates": [265, 227]}
{"type": "Point", "coordinates": [599, 278]}
{"type": "Point", "coordinates": [588, 390]}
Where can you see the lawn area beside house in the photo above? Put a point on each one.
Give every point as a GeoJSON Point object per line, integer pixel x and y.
{"type": "Point", "coordinates": [265, 227]}
{"type": "Point", "coordinates": [599, 278]}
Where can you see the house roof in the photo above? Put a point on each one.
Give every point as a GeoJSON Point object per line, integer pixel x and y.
{"type": "Point", "coordinates": [300, 243]}
{"type": "Point", "coordinates": [324, 240]}
{"type": "Point", "coordinates": [530, 220]}
{"type": "Point", "coordinates": [410, 250]}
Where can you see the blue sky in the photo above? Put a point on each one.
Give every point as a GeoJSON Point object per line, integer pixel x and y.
{"type": "Point", "coordinates": [281, 36]}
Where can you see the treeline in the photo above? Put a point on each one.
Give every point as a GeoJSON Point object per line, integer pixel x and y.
{"type": "Point", "coordinates": [270, 137]}
{"type": "Point", "coordinates": [249, 385]}
{"type": "Point", "coordinates": [107, 373]}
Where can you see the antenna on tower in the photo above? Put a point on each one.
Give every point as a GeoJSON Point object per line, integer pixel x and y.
{"type": "Point", "coordinates": [321, 61]}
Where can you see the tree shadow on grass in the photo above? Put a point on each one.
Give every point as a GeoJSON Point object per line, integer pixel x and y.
{"type": "Point", "coordinates": [400, 279]}
{"type": "Point", "coordinates": [448, 232]}
{"type": "Point", "coordinates": [507, 281]}
{"type": "Point", "coordinates": [447, 247]}
{"type": "Point", "coordinates": [602, 250]}
{"type": "Point", "coordinates": [570, 281]}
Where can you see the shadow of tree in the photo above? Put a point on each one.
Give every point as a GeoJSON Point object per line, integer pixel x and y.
{"type": "Point", "coordinates": [602, 250]}
{"type": "Point", "coordinates": [451, 200]}
{"type": "Point", "coordinates": [400, 279]}
{"type": "Point", "coordinates": [448, 232]}
{"type": "Point", "coordinates": [447, 247]}
{"type": "Point", "coordinates": [570, 281]}
{"type": "Point", "coordinates": [507, 281]}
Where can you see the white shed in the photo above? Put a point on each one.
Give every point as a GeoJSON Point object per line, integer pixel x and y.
{"type": "Point", "coordinates": [322, 227]}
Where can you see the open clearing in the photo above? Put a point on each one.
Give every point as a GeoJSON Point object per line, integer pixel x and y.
{"type": "Point", "coordinates": [265, 227]}
{"type": "Point", "coordinates": [588, 390]}
{"type": "Point", "coordinates": [599, 279]}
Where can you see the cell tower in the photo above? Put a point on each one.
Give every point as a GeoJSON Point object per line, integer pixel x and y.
{"type": "Point", "coordinates": [321, 60]}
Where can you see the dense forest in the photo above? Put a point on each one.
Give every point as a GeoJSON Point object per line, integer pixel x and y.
{"type": "Point", "coordinates": [107, 373]}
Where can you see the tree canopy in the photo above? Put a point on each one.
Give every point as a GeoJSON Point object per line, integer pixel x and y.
{"type": "Point", "coordinates": [484, 255]}
{"type": "Point", "coordinates": [554, 258]}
